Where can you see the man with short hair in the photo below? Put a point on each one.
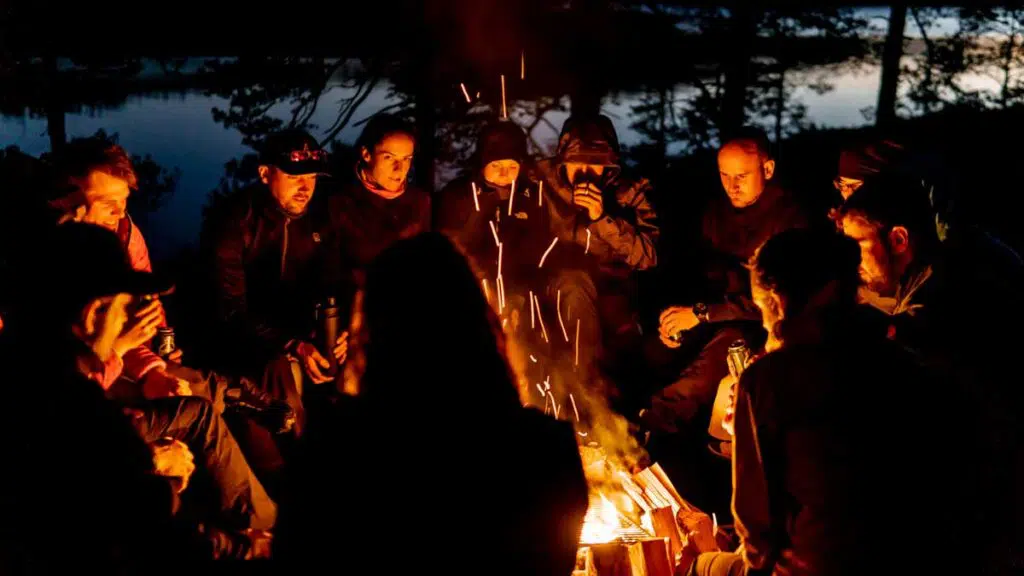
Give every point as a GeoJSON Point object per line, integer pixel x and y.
{"type": "Point", "coordinates": [269, 256]}
{"type": "Point", "coordinates": [689, 359]}
{"type": "Point", "coordinates": [958, 306]}
{"type": "Point", "coordinates": [754, 208]}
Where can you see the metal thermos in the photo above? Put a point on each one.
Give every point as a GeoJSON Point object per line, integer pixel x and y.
{"type": "Point", "coordinates": [738, 355]}
{"type": "Point", "coordinates": [330, 329]}
{"type": "Point", "coordinates": [164, 342]}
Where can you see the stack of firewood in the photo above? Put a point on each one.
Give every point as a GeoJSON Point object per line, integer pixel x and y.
{"type": "Point", "coordinates": [650, 555]}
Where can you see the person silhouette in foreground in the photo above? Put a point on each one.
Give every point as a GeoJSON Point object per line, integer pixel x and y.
{"type": "Point", "coordinates": [82, 490]}
{"type": "Point", "coordinates": [439, 443]}
{"type": "Point", "coordinates": [817, 476]}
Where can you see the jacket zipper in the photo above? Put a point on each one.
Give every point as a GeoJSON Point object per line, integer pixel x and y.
{"type": "Point", "coordinates": [284, 246]}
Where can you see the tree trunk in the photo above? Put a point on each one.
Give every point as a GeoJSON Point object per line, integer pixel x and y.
{"type": "Point", "coordinates": [780, 105]}
{"type": "Point", "coordinates": [55, 125]}
{"type": "Point", "coordinates": [664, 102]}
{"type": "Point", "coordinates": [1008, 61]}
{"type": "Point", "coordinates": [592, 20]}
{"type": "Point", "coordinates": [892, 53]}
{"type": "Point", "coordinates": [426, 122]}
{"type": "Point", "coordinates": [737, 68]}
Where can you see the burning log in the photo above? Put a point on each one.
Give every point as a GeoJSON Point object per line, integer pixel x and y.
{"type": "Point", "coordinates": [665, 526]}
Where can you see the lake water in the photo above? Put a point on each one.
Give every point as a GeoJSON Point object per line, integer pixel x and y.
{"type": "Point", "coordinates": [179, 131]}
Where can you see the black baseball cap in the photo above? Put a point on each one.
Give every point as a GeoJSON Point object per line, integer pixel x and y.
{"type": "Point", "coordinates": [78, 263]}
{"type": "Point", "coordinates": [295, 152]}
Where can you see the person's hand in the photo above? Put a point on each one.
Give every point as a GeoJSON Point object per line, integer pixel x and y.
{"type": "Point", "coordinates": [140, 328]}
{"type": "Point", "coordinates": [674, 320]}
{"type": "Point", "coordinates": [173, 459]}
{"type": "Point", "coordinates": [588, 197]}
{"type": "Point", "coordinates": [313, 362]}
{"type": "Point", "coordinates": [159, 384]}
{"type": "Point", "coordinates": [730, 406]}
{"type": "Point", "coordinates": [175, 356]}
{"type": "Point", "coordinates": [698, 530]}
{"type": "Point", "coordinates": [341, 348]}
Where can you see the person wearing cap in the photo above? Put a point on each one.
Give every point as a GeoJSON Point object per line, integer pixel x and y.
{"type": "Point", "coordinates": [497, 178]}
{"type": "Point", "coordinates": [270, 256]}
{"type": "Point", "coordinates": [93, 180]}
{"type": "Point", "coordinates": [378, 205]}
{"type": "Point", "coordinates": [68, 434]}
{"type": "Point", "coordinates": [607, 230]}
{"type": "Point", "coordinates": [77, 298]}
{"type": "Point", "coordinates": [858, 163]}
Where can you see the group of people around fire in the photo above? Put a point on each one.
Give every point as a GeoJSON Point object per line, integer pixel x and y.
{"type": "Point", "coordinates": [873, 430]}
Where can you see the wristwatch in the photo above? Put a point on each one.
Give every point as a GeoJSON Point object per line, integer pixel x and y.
{"type": "Point", "coordinates": [700, 310]}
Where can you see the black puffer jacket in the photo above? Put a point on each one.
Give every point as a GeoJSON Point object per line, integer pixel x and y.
{"type": "Point", "coordinates": [267, 271]}
{"type": "Point", "coordinates": [525, 232]}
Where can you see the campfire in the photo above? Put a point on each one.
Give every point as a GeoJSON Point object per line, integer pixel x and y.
{"type": "Point", "coordinates": [629, 528]}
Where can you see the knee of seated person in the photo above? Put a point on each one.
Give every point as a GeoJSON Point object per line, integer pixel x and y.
{"type": "Point", "coordinates": [201, 407]}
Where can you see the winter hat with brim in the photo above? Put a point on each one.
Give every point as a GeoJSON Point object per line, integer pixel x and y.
{"type": "Point", "coordinates": [589, 140]}
{"type": "Point", "coordinates": [501, 141]}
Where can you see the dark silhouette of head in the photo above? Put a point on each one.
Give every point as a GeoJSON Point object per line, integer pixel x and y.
{"type": "Point", "coordinates": [803, 270]}
{"type": "Point", "coordinates": [431, 343]}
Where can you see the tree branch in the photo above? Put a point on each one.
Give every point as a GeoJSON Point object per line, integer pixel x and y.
{"type": "Point", "coordinates": [345, 114]}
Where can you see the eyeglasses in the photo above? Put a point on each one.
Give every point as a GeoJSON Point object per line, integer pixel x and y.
{"type": "Point", "coordinates": [307, 154]}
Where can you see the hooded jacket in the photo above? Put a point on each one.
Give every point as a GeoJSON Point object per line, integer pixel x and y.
{"type": "Point", "coordinates": [624, 238]}
{"type": "Point", "coordinates": [525, 232]}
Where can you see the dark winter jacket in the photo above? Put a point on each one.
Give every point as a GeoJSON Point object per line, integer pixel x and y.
{"type": "Point", "coordinates": [367, 223]}
{"type": "Point", "coordinates": [525, 234]}
{"type": "Point", "coordinates": [268, 271]}
{"type": "Point", "coordinates": [731, 236]}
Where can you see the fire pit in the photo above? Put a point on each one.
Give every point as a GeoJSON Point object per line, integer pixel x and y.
{"type": "Point", "coordinates": [629, 528]}
{"type": "Point", "coordinates": [643, 557]}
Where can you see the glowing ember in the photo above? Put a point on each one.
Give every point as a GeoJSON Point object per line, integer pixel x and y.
{"type": "Point", "coordinates": [546, 252]}
{"type": "Point", "coordinates": [504, 111]}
